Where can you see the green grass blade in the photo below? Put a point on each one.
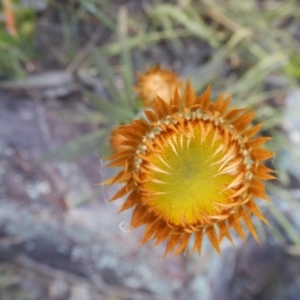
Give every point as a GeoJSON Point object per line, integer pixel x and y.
{"type": "Point", "coordinates": [106, 74]}
{"type": "Point", "coordinates": [99, 14]}
{"type": "Point", "coordinates": [195, 26]}
{"type": "Point", "coordinates": [144, 40]}
{"type": "Point", "coordinates": [117, 113]}
{"type": "Point", "coordinates": [125, 56]}
{"type": "Point", "coordinates": [78, 147]}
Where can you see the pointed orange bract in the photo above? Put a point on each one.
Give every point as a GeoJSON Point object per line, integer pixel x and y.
{"type": "Point", "coordinates": [193, 169]}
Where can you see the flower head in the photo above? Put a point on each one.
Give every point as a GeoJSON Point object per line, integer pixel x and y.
{"type": "Point", "coordinates": [193, 167]}
{"type": "Point", "coordinates": [157, 82]}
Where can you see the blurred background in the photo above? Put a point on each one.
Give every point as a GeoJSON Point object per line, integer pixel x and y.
{"type": "Point", "coordinates": [67, 69]}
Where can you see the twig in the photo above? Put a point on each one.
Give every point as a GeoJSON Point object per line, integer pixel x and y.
{"type": "Point", "coordinates": [83, 53]}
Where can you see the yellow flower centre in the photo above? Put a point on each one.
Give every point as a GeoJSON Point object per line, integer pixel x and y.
{"type": "Point", "coordinates": [186, 179]}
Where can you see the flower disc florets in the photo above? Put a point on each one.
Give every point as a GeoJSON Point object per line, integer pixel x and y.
{"type": "Point", "coordinates": [193, 168]}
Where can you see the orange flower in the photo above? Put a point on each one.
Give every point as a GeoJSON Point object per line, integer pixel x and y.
{"type": "Point", "coordinates": [157, 82]}
{"type": "Point", "coordinates": [10, 19]}
{"type": "Point", "coordinates": [192, 168]}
